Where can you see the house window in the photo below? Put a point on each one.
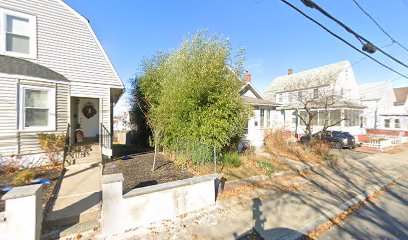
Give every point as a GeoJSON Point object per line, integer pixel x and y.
{"type": "Point", "coordinates": [299, 96]}
{"type": "Point", "coordinates": [387, 123]}
{"type": "Point", "coordinates": [335, 118]}
{"type": "Point", "coordinates": [397, 123]}
{"type": "Point", "coordinates": [262, 120]}
{"type": "Point", "coordinates": [17, 34]}
{"type": "Point", "coordinates": [315, 93]}
{"type": "Point", "coordinates": [290, 97]}
{"type": "Point", "coordinates": [280, 98]}
{"type": "Point", "coordinates": [37, 108]}
{"type": "Point", "coordinates": [268, 118]}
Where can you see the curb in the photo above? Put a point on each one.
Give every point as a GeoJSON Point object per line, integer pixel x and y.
{"type": "Point", "coordinates": [334, 212]}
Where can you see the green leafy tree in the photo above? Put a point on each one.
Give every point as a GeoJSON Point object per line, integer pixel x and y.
{"type": "Point", "coordinates": [192, 93]}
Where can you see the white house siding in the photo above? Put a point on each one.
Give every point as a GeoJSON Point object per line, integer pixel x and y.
{"type": "Point", "coordinates": [65, 43]}
{"type": "Point", "coordinates": [15, 142]}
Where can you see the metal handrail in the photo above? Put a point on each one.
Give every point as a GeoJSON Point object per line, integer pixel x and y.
{"type": "Point", "coordinates": [105, 137]}
{"type": "Point", "coordinates": [66, 145]}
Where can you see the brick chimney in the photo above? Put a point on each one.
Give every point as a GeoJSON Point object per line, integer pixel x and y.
{"type": "Point", "coordinates": [247, 77]}
{"type": "Point", "coordinates": [290, 71]}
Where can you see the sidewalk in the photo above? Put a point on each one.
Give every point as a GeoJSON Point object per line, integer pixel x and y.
{"type": "Point", "coordinates": [283, 208]}
{"type": "Point", "coordinates": [77, 205]}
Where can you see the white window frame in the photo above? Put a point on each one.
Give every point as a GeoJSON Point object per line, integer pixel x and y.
{"type": "Point", "coordinates": [51, 109]}
{"type": "Point", "coordinates": [33, 33]}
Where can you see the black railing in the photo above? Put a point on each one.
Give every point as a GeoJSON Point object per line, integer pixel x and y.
{"type": "Point", "coordinates": [105, 138]}
{"type": "Point", "coordinates": [66, 145]}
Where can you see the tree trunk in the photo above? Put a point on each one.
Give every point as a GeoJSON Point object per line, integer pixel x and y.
{"type": "Point", "coordinates": [155, 149]}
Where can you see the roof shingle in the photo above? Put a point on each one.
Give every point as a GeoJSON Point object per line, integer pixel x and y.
{"type": "Point", "coordinates": [18, 66]}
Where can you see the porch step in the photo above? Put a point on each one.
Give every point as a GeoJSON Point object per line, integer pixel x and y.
{"type": "Point", "coordinates": [85, 153]}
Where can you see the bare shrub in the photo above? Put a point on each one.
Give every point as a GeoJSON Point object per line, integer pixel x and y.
{"type": "Point", "coordinates": [321, 148]}
{"type": "Point", "coordinates": [53, 145]}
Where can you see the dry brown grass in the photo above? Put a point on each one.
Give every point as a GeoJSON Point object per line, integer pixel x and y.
{"type": "Point", "coordinates": [249, 167]}
{"type": "Point", "coordinates": [278, 143]}
{"type": "Point", "coordinates": [396, 149]}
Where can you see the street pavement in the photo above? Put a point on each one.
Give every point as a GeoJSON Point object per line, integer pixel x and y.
{"type": "Point", "coordinates": [384, 218]}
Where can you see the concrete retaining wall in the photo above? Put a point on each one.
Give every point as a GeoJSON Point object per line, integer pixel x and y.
{"type": "Point", "coordinates": [154, 203]}
{"type": "Point", "coordinates": [23, 216]}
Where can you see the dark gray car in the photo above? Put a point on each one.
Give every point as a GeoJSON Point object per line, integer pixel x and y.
{"type": "Point", "coordinates": [337, 139]}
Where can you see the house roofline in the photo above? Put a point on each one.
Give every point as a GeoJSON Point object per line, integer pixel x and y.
{"type": "Point", "coordinates": [86, 22]}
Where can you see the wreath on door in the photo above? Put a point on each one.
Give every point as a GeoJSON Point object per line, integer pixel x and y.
{"type": "Point", "coordinates": [89, 110]}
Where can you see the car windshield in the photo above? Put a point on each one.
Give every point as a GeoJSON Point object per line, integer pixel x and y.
{"type": "Point", "coordinates": [343, 134]}
{"type": "Point", "coordinates": [347, 134]}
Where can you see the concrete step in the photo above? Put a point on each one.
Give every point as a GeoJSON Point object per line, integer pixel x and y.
{"type": "Point", "coordinates": [71, 230]}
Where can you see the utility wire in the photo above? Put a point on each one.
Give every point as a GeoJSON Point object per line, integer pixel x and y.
{"type": "Point", "coordinates": [341, 39]}
{"type": "Point", "coordinates": [311, 4]}
{"type": "Point", "coordinates": [379, 26]}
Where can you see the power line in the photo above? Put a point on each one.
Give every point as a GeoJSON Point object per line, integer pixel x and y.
{"type": "Point", "coordinates": [379, 26]}
{"type": "Point", "coordinates": [341, 39]}
{"type": "Point", "coordinates": [369, 45]}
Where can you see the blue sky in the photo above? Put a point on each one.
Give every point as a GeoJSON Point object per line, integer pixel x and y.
{"type": "Point", "coordinates": [275, 37]}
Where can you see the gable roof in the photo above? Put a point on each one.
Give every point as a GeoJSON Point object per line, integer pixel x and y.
{"type": "Point", "coordinates": [373, 90]}
{"type": "Point", "coordinates": [316, 77]}
{"type": "Point", "coordinates": [401, 95]}
{"type": "Point", "coordinates": [88, 25]}
{"type": "Point", "coordinates": [250, 87]}
{"type": "Point", "coordinates": [18, 66]}
{"type": "Point", "coordinates": [259, 100]}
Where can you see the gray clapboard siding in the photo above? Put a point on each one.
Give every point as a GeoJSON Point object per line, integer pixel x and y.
{"type": "Point", "coordinates": [11, 140]}
{"type": "Point", "coordinates": [65, 43]}
{"type": "Point", "coordinates": [8, 115]}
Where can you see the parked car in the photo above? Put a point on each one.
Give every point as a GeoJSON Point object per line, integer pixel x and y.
{"type": "Point", "coordinates": [336, 139]}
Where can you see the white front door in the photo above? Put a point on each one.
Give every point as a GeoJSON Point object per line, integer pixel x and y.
{"type": "Point", "coordinates": [88, 118]}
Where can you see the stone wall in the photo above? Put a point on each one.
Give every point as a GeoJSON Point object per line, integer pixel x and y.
{"type": "Point", "coordinates": [154, 203]}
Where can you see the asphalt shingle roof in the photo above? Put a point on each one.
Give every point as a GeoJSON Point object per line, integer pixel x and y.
{"type": "Point", "coordinates": [18, 66]}
{"type": "Point", "coordinates": [373, 91]}
{"type": "Point", "coordinates": [316, 77]}
{"type": "Point", "coordinates": [257, 101]}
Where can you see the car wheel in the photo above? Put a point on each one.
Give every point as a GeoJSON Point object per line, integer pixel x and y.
{"type": "Point", "coordinates": [303, 141]}
{"type": "Point", "coordinates": [337, 145]}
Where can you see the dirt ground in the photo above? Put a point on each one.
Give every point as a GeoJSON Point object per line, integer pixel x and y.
{"type": "Point", "coordinates": [137, 171]}
{"type": "Point", "coordinates": [44, 173]}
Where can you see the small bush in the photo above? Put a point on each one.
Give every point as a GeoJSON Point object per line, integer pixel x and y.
{"type": "Point", "coordinates": [53, 145]}
{"type": "Point", "coordinates": [232, 159]}
{"type": "Point", "coordinates": [24, 177]}
{"type": "Point", "coordinates": [276, 140]}
{"type": "Point", "coordinates": [321, 148]}
{"type": "Point", "coordinates": [267, 167]}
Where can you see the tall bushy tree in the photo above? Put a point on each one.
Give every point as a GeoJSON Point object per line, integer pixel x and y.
{"type": "Point", "coordinates": [192, 94]}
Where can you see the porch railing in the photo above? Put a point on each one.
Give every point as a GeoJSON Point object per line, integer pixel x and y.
{"type": "Point", "coordinates": [105, 138]}
{"type": "Point", "coordinates": [66, 145]}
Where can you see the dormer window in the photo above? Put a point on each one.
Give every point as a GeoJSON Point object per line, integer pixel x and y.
{"type": "Point", "coordinates": [18, 34]}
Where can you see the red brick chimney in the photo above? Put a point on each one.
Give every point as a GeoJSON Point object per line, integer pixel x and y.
{"type": "Point", "coordinates": [247, 77]}
{"type": "Point", "coordinates": [290, 71]}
